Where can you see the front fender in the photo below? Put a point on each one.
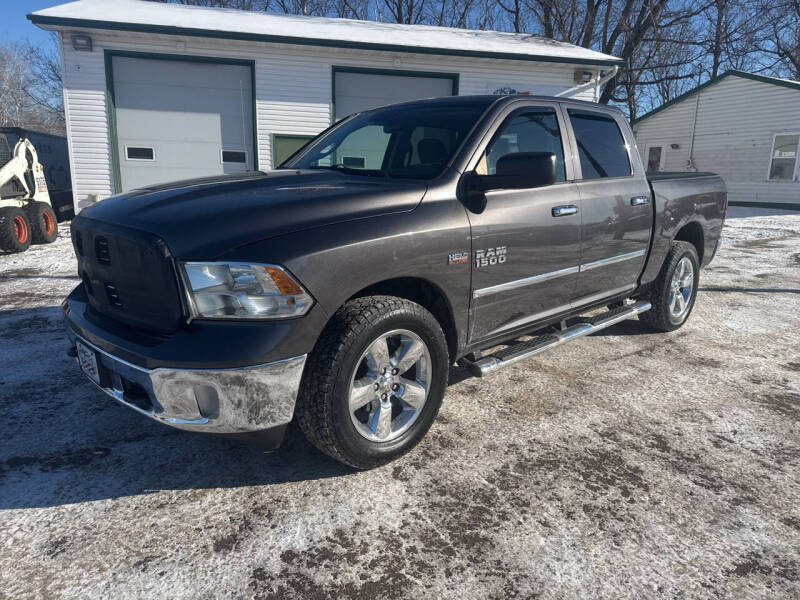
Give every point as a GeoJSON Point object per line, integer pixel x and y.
{"type": "Point", "coordinates": [336, 262]}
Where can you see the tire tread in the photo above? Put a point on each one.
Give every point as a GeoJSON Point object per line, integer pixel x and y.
{"type": "Point", "coordinates": [658, 316]}
{"type": "Point", "coordinates": [312, 411]}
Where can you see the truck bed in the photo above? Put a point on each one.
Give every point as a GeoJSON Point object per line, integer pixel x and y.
{"type": "Point", "coordinates": [679, 197]}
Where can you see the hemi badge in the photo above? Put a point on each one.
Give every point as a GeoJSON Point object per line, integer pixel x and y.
{"type": "Point", "coordinates": [458, 258]}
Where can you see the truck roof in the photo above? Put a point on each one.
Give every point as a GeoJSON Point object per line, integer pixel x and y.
{"type": "Point", "coordinates": [489, 99]}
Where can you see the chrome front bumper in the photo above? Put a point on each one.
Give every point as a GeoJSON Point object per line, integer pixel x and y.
{"type": "Point", "coordinates": [222, 401]}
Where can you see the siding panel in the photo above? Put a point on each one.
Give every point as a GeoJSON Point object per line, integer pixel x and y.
{"type": "Point", "coordinates": [293, 89]}
{"type": "Point", "coordinates": [736, 121]}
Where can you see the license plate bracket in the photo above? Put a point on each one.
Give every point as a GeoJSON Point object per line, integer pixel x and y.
{"type": "Point", "coordinates": [87, 359]}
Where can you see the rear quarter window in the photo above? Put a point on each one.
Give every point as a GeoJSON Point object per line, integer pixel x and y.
{"type": "Point", "coordinates": [601, 146]}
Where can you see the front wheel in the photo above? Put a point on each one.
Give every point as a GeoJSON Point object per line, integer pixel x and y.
{"type": "Point", "coordinates": [374, 382]}
{"type": "Point", "coordinates": [673, 293]}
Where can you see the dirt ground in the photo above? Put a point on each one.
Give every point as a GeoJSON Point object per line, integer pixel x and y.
{"type": "Point", "coordinates": [624, 465]}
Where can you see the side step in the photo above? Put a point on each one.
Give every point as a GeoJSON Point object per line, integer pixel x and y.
{"type": "Point", "coordinates": [522, 350]}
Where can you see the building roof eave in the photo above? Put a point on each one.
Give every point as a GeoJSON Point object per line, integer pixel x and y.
{"type": "Point", "coordinates": [794, 85]}
{"type": "Point", "coordinates": [48, 22]}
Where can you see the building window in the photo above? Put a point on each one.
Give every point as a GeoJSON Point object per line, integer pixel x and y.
{"type": "Point", "coordinates": [783, 161]}
{"type": "Point", "coordinates": [654, 159]}
{"type": "Point", "coordinates": [139, 153]}
{"type": "Point", "coordinates": [283, 146]}
{"type": "Point", "coordinates": [234, 156]}
{"type": "Point", "coordinates": [601, 147]}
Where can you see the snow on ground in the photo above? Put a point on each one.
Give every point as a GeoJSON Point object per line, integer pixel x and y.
{"type": "Point", "coordinates": [625, 465]}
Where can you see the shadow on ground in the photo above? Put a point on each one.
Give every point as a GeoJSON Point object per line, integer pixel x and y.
{"type": "Point", "coordinates": [69, 443]}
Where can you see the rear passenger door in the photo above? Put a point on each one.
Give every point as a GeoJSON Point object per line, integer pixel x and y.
{"type": "Point", "coordinates": [616, 214]}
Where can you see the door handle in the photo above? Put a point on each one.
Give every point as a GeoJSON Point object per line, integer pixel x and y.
{"type": "Point", "coordinates": [640, 200]}
{"type": "Point", "coordinates": [564, 211]}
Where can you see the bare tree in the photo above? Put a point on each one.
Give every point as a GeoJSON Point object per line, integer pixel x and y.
{"type": "Point", "coordinates": [30, 86]}
{"type": "Point", "coordinates": [783, 39]}
{"type": "Point", "coordinates": [409, 12]}
{"type": "Point", "coordinates": [667, 46]}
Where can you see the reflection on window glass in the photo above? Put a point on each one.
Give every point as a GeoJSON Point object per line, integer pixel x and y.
{"type": "Point", "coordinates": [532, 131]}
{"type": "Point", "coordinates": [601, 147]}
{"type": "Point", "coordinates": [784, 157]}
{"type": "Point", "coordinates": [414, 141]}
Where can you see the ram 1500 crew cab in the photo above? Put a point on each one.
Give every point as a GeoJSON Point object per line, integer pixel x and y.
{"type": "Point", "coordinates": [339, 288]}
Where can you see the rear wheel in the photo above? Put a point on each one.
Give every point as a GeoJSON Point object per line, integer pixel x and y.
{"type": "Point", "coordinates": [374, 382]}
{"type": "Point", "coordinates": [673, 293]}
{"type": "Point", "coordinates": [44, 227]}
{"type": "Point", "coordinates": [15, 230]}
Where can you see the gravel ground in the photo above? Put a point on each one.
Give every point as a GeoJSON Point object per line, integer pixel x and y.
{"type": "Point", "coordinates": [625, 465]}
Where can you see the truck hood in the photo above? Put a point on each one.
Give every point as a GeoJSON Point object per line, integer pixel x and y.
{"type": "Point", "coordinates": [204, 218]}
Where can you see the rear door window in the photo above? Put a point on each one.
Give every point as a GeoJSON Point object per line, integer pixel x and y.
{"type": "Point", "coordinates": [601, 146]}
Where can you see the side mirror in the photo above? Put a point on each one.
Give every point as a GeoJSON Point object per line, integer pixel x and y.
{"type": "Point", "coordinates": [518, 171]}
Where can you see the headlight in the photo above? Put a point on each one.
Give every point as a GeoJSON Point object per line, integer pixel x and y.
{"type": "Point", "coordinates": [219, 290]}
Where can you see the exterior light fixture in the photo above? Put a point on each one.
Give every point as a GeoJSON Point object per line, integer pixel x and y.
{"type": "Point", "coordinates": [82, 43]}
{"type": "Point", "coordinates": [583, 76]}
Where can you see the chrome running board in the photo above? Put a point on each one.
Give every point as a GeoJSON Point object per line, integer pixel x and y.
{"type": "Point", "coordinates": [521, 350]}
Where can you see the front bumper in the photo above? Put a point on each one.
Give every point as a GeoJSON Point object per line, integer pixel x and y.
{"type": "Point", "coordinates": [243, 400]}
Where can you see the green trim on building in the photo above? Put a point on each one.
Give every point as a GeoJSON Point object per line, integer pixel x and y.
{"type": "Point", "coordinates": [108, 56]}
{"type": "Point", "coordinates": [454, 77]}
{"type": "Point", "coordinates": [792, 85]}
{"type": "Point", "coordinates": [287, 137]}
{"type": "Point", "coordinates": [111, 112]}
{"type": "Point", "coordinates": [326, 43]}
{"type": "Point", "coordinates": [793, 206]}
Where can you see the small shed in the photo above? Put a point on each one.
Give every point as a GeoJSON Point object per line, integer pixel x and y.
{"type": "Point", "coordinates": [743, 126]}
{"type": "Point", "coordinates": [156, 91]}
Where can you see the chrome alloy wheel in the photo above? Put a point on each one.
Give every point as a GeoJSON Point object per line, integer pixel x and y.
{"type": "Point", "coordinates": [680, 291]}
{"type": "Point", "coordinates": [389, 386]}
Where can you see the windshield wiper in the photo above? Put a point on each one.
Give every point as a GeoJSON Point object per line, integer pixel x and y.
{"type": "Point", "coordinates": [351, 170]}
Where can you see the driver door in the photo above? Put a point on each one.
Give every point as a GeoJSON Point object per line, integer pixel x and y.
{"type": "Point", "coordinates": [526, 243]}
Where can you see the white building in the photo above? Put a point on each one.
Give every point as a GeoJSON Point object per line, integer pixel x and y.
{"type": "Point", "coordinates": [744, 127]}
{"type": "Point", "coordinates": [156, 92]}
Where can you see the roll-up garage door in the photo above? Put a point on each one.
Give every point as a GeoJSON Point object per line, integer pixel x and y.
{"type": "Point", "coordinates": [356, 90]}
{"type": "Point", "coordinates": [179, 119]}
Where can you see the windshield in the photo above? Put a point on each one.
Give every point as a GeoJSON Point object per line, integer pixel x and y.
{"type": "Point", "coordinates": [411, 141]}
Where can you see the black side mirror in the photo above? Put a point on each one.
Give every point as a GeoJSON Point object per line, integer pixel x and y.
{"type": "Point", "coordinates": [518, 171]}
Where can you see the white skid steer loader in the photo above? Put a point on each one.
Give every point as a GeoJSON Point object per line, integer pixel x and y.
{"type": "Point", "coordinates": [26, 214]}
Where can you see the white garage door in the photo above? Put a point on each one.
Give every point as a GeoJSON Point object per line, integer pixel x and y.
{"type": "Point", "coordinates": [181, 119]}
{"type": "Point", "coordinates": [355, 91]}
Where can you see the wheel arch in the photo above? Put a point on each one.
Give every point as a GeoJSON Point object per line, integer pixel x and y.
{"type": "Point", "coordinates": [693, 233]}
{"type": "Point", "coordinates": [426, 294]}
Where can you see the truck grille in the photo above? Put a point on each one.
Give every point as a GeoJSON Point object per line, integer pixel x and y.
{"type": "Point", "coordinates": [130, 276]}
{"type": "Point", "coordinates": [101, 250]}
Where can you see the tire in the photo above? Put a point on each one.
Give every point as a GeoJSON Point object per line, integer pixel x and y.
{"type": "Point", "coordinates": [15, 230]}
{"type": "Point", "coordinates": [666, 299]}
{"type": "Point", "coordinates": [44, 224]}
{"type": "Point", "coordinates": [347, 355]}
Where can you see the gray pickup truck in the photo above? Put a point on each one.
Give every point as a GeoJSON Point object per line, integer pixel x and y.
{"type": "Point", "coordinates": [339, 288]}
